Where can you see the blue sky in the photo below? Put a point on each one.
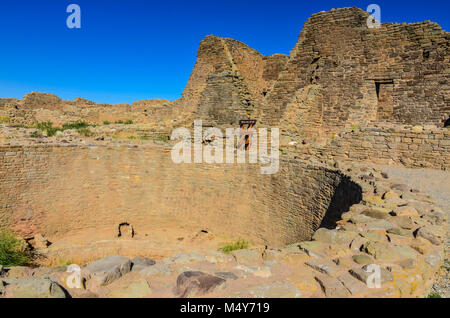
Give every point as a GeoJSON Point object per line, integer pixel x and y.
{"type": "Point", "coordinates": [137, 49]}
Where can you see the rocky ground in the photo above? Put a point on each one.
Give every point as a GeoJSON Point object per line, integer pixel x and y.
{"type": "Point", "coordinates": [435, 183]}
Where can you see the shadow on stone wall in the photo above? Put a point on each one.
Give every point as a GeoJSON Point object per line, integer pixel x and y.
{"type": "Point", "coordinates": [347, 193]}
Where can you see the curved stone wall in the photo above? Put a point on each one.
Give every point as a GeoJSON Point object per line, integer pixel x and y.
{"type": "Point", "coordinates": [55, 190]}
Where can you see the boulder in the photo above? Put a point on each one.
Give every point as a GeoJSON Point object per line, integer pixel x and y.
{"type": "Point", "coordinates": [353, 285]}
{"type": "Point", "coordinates": [34, 288]}
{"type": "Point", "coordinates": [226, 275]}
{"type": "Point", "coordinates": [19, 272]}
{"type": "Point", "coordinates": [406, 211]}
{"type": "Point", "coordinates": [334, 236]}
{"type": "Point", "coordinates": [106, 270]}
{"type": "Point", "coordinates": [387, 251]}
{"type": "Point", "coordinates": [377, 213]}
{"type": "Point", "coordinates": [192, 284]}
{"type": "Point", "coordinates": [139, 263]}
{"type": "Point", "coordinates": [363, 274]}
{"type": "Point", "coordinates": [136, 288]}
{"type": "Point", "coordinates": [404, 221]}
{"type": "Point", "coordinates": [362, 259]}
{"type": "Point", "coordinates": [157, 269]}
{"type": "Point", "coordinates": [332, 287]}
{"type": "Point", "coordinates": [431, 235]}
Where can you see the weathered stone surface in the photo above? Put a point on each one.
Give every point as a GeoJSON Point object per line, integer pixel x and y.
{"type": "Point", "coordinates": [139, 263]}
{"type": "Point", "coordinates": [353, 285]}
{"type": "Point", "coordinates": [363, 274]}
{"type": "Point", "coordinates": [107, 270]}
{"type": "Point", "coordinates": [332, 287]}
{"type": "Point", "coordinates": [187, 258]}
{"type": "Point", "coordinates": [34, 288]}
{"type": "Point", "coordinates": [226, 275]}
{"type": "Point", "coordinates": [274, 290]}
{"type": "Point", "coordinates": [400, 232]}
{"type": "Point", "coordinates": [406, 211]}
{"type": "Point", "coordinates": [259, 271]}
{"type": "Point", "coordinates": [334, 237]}
{"type": "Point", "coordinates": [362, 259]}
{"type": "Point", "coordinates": [374, 236]}
{"type": "Point", "coordinates": [157, 269]}
{"type": "Point", "coordinates": [386, 251]}
{"type": "Point", "coordinates": [430, 235]}
{"type": "Point", "coordinates": [137, 288]}
{"type": "Point", "coordinates": [19, 272]}
{"type": "Point", "coordinates": [314, 248]}
{"type": "Point", "coordinates": [377, 213]}
{"type": "Point", "coordinates": [405, 222]}
{"type": "Point", "coordinates": [325, 266]}
{"type": "Point", "coordinates": [247, 257]}
{"type": "Point", "coordinates": [192, 284]}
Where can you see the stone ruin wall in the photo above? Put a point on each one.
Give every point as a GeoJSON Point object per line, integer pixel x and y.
{"type": "Point", "coordinates": [340, 73]}
{"type": "Point", "coordinates": [52, 190]}
{"type": "Point", "coordinates": [414, 148]}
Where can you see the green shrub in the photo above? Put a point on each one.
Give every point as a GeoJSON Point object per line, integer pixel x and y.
{"type": "Point", "coordinates": [11, 253]}
{"type": "Point", "coordinates": [4, 119]}
{"type": "Point", "coordinates": [106, 122]}
{"type": "Point", "coordinates": [35, 134]}
{"type": "Point", "coordinates": [161, 138]}
{"type": "Point", "coordinates": [76, 125]}
{"type": "Point", "coordinates": [47, 126]}
{"type": "Point", "coordinates": [238, 245]}
{"type": "Point", "coordinates": [126, 122]}
{"type": "Point", "coordinates": [434, 295]}
{"type": "Point", "coordinates": [85, 132]}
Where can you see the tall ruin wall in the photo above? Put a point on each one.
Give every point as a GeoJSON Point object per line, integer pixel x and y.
{"type": "Point", "coordinates": [59, 190]}
{"type": "Point", "coordinates": [398, 73]}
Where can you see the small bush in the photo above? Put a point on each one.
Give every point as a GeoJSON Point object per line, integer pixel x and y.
{"type": "Point", "coordinates": [47, 127]}
{"type": "Point", "coordinates": [238, 245]}
{"type": "Point", "coordinates": [75, 125]}
{"type": "Point", "coordinates": [126, 122]}
{"type": "Point", "coordinates": [434, 295]}
{"type": "Point", "coordinates": [86, 132]}
{"type": "Point", "coordinates": [11, 253]}
{"type": "Point", "coordinates": [161, 138]}
{"type": "Point", "coordinates": [106, 123]}
{"type": "Point", "coordinates": [35, 134]}
{"type": "Point", "coordinates": [4, 119]}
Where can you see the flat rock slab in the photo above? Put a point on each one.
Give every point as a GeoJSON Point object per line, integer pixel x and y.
{"type": "Point", "coordinates": [364, 274]}
{"type": "Point", "coordinates": [353, 285]}
{"type": "Point", "coordinates": [106, 270]}
{"type": "Point", "coordinates": [334, 237]}
{"type": "Point", "coordinates": [332, 287]}
{"type": "Point", "coordinates": [192, 284]}
{"type": "Point", "coordinates": [325, 266]}
{"type": "Point", "coordinates": [136, 288]}
{"type": "Point", "coordinates": [140, 263]}
{"type": "Point", "coordinates": [34, 288]}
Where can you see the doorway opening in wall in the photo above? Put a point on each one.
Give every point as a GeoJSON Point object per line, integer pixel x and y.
{"type": "Point", "coordinates": [385, 91]}
{"type": "Point", "coordinates": [447, 123]}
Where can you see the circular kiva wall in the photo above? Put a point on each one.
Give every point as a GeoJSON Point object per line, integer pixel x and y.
{"type": "Point", "coordinates": [56, 190]}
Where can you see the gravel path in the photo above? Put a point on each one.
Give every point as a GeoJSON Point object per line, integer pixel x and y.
{"type": "Point", "coordinates": [435, 183]}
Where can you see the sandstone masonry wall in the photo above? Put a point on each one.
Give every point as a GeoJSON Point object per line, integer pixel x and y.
{"type": "Point", "coordinates": [412, 147]}
{"type": "Point", "coordinates": [58, 190]}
